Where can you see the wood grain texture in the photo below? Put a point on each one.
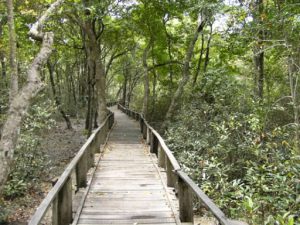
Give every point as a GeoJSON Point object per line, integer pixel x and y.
{"type": "Point", "coordinates": [126, 188]}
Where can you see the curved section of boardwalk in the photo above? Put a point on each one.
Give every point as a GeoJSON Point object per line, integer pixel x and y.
{"type": "Point", "coordinates": [126, 188]}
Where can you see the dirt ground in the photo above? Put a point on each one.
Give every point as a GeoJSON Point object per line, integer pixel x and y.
{"type": "Point", "coordinates": [59, 146]}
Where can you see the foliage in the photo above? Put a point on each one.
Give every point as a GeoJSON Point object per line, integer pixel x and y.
{"type": "Point", "coordinates": [3, 213]}
{"type": "Point", "coordinates": [29, 163]}
{"type": "Point", "coordinates": [250, 173]}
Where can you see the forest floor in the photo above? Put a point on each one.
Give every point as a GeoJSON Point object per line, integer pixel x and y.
{"type": "Point", "coordinates": [59, 145]}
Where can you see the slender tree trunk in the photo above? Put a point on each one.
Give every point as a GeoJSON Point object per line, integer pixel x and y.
{"type": "Point", "coordinates": [119, 93]}
{"type": "Point", "coordinates": [259, 52]}
{"type": "Point", "coordinates": [12, 50]}
{"type": "Point", "coordinates": [90, 81]}
{"type": "Point", "coordinates": [56, 97]}
{"type": "Point", "coordinates": [293, 79]}
{"type": "Point", "coordinates": [199, 61]}
{"type": "Point", "coordinates": [73, 87]}
{"type": "Point", "coordinates": [146, 80]}
{"type": "Point", "coordinates": [88, 125]}
{"type": "Point", "coordinates": [260, 71]}
{"type": "Point", "coordinates": [2, 53]}
{"type": "Point", "coordinates": [207, 49]}
{"type": "Point", "coordinates": [185, 77]}
{"type": "Point", "coordinates": [153, 87]}
{"type": "Point", "coordinates": [124, 89]}
{"type": "Point", "coordinates": [3, 64]}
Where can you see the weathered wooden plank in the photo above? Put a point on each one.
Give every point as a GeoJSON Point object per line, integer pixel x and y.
{"type": "Point", "coordinates": [132, 221]}
{"type": "Point", "coordinates": [124, 211]}
{"type": "Point", "coordinates": [127, 216]}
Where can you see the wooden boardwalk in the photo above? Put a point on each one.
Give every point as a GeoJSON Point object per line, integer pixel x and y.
{"type": "Point", "coordinates": [127, 187]}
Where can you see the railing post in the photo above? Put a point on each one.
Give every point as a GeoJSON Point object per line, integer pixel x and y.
{"type": "Point", "coordinates": [90, 157]}
{"type": "Point", "coordinates": [144, 130]}
{"type": "Point", "coordinates": [81, 171]}
{"type": "Point", "coordinates": [111, 120]}
{"type": "Point", "coordinates": [141, 124]}
{"type": "Point", "coordinates": [97, 142]}
{"type": "Point", "coordinates": [55, 211]}
{"type": "Point", "coordinates": [93, 146]}
{"type": "Point", "coordinates": [185, 202]}
{"type": "Point", "coordinates": [148, 136]}
{"type": "Point", "coordinates": [62, 205]}
{"type": "Point", "coordinates": [102, 136]}
{"type": "Point", "coordinates": [170, 175]}
{"type": "Point", "coordinates": [153, 144]}
{"type": "Point", "coordinates": [161, 157]}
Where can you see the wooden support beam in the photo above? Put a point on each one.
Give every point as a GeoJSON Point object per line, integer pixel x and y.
{"type": "Point", "coordinates": [81, 171]}
{"type": "Point", "coordinates": [62, 205]}
{"type": "Point", "coordinates": [161, 157]}
{"type": "Point", "coordinates": [153, 144]}
{"type": "Point", "coordinates": [185, 202]}
{"type": "Point", "coordinates": [90, 157]}
{"type": "Point", "coordinates": [144, 130]}
{"type": "Point", "coordinates": [97, 143]}
{"type": "Point", "coordinates": [141, 124]}
{"type": "Point", "coordinates": [55, 211]}
{"type": "Point", "coordinates": [170, 175]}
{"type": "Point", "coordinates": [148, 136]}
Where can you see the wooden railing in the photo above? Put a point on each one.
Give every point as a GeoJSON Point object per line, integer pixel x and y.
{"type": "Point", "coordinates": [60, 197]}
{"type": "Point", "coordinates": [176, 178]}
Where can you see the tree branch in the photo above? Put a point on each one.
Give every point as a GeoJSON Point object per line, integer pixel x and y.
{"type": "Point", "coordinates": [35, 31]}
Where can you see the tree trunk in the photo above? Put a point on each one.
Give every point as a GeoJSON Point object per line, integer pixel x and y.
{"type": "Point", "coordinates": [101, 89]}
{"type": "Point", "coordinates": [293, 80]}
{"type": "Point", "coordinates": [12, 51]}
{"type": "Point", "coordinates": [55, 95]}
{"type": "Point", "coordinates": [153, 89]}
{"type": "Point", "coordinates": [90, 92]}
{"type": "Point", "coordinates": [95, 65]}
{"type": "Point", "coordinates": [20, 103]}
{"type": "Point", "coordinates": [185, 77]}
{"type": "Point", "coordinates": [146, 80]}
{"type": "Point", "coordinates": [123, 102]}
{"type": "Point", "coordinates": [199, 61]}
{"type": "Point", "coordinates": [2, 53]}
{"type": "Point", "coordinates": [207, 49]}
{"type": "Point", "coordinates": [259, 52]}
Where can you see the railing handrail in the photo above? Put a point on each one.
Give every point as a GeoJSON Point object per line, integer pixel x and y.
{"type": "Point", "coordinates": [213, 208]}
{"type": "Point", "coordinates": [46, 203]}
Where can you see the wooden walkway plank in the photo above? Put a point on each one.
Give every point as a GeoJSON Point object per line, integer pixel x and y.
{"type": "Point", "coordinates": [126, 187]}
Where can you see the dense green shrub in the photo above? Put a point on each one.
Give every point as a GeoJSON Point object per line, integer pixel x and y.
{"type": "Point", "coordinates": [222, 141]}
